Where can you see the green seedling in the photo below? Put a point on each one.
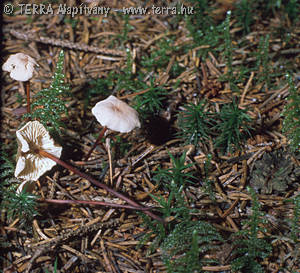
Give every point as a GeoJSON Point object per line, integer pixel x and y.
{"type": "Point", "coordinates": [244, 14]}
{"type": "Point", "coordinates": [184, 248]}
{"type": "Point", "coordinates": [233, 126]}
{"type": "Point", "coordinates": [194, 123]}
{"type": "Point", "coordinates": [150, 102]}
{"type": "Point", "coordinates": [250, 247]}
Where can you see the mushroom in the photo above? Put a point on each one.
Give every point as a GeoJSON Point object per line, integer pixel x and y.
{"type": "Point", "coordinates": [116, 115]}
{"type": "Point", "coordinates": [30, 164]}
{"type": "Point", "coordinates": [37, 154]}
{"type": "Point", "coordinates": [21, 67]}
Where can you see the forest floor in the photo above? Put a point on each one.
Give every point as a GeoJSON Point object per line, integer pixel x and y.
{"type": "Point", "coordinates": [211, 157]}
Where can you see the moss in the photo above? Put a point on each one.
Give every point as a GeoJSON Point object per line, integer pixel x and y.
{"type": "Point", "coordinates": [249, 246]}
{"type": "Point", "coordinates": [48, 104]}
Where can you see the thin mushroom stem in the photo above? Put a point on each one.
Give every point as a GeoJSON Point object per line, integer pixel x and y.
{"type": "Point", "coordinates": [96, 142]}
{"type": "Point", "coordinates": [95, 203]}
{"type": "Point", "coordinates": [27, 87]}
{"type": "Point", "coordinates": [97, 183]}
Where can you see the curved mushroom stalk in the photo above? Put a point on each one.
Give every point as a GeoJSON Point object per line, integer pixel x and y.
{"type": "Point", "coordinates": [37, 154]}
{"type": "Point", "coordinates": [97, 183]}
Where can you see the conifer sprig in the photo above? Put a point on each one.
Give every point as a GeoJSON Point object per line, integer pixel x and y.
{"type": "Point", "coordinates": [48, 104]}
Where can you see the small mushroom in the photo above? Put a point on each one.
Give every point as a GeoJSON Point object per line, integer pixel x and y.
{"type": "Point", "coordinates": [37, 154]}
{"type": "Point", "coordinates": [116, 115]}
{"type": "Point", "coordinates": [31, 138]}
{"type": "Point", "coordinates": [20, 66]}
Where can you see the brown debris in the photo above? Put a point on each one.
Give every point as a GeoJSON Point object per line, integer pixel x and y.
{"type": "Point", "coordinates": [108, 239]}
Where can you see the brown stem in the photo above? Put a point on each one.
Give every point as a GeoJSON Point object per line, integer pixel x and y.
{"type": "Point", "coordinates": [96, 142]}
{"type": "Point", "coordinates": [97, 183]}
{"type": "Point", "coordinates": [90, 202]}
{"type": "Point", "coordinates": [27, 87]}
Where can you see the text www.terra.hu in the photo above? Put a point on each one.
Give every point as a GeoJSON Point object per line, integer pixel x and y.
{"type": "Point", "coordinates": [159, 10]}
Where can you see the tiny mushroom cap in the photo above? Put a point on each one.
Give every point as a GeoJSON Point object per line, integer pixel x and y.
{"type": "Point", "coordinates": [116, 115]}
{"type": "Point", "coordinates": [20, 66]}
{"type": "Point", "coordinates": [31, 138]}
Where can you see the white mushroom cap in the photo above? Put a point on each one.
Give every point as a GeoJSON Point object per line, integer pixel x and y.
{"type": "Point", "coordinates": [20, 66]}
{"type": "Point", "coordinates": [116, 115]}
{"type": "Point", "coordinates": [30, 138]}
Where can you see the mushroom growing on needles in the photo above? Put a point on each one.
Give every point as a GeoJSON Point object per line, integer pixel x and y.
{"type": "Point", "coordinates": [37, 153]}
{"type": "Point", "coordinates": [21, 68]}
{"type": "Point", "coordinates": [116, 115]}
{"type": "Point", "coordinates": [30, 165]}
